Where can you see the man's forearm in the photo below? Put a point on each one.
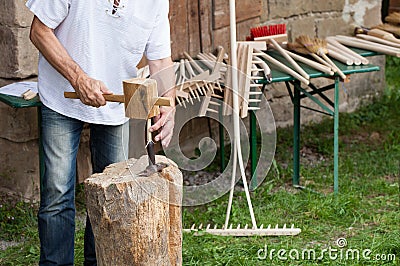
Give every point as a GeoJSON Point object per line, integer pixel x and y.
{"type": "Point", "coordinates": [47, 43]}
{"type": "Point", "coordinates": [163, 72]}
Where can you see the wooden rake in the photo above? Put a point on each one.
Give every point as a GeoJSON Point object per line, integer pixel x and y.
{"type": "Point", "coordinates": [244, 231]}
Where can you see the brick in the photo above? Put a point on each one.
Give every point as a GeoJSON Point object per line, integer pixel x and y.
{"type": "Point", "coordinates": [18, 124]}
{"type": "Point", "coordinates": [245, 10]}
{"type": "Point", "coordinates": [372, 16]}
{"type": "Point", "coordinates": [327, 6]}
{"type": "Point", "coordinates": [299, 27]}
{"type": "Point", "coordinates": [288, 8]}
{"type": "Point", "coordinates": [15, 13]}
{"type": "Point", "coordinates": [19, 170]}
{"type": "Point", "coordinates": [330, 26]}
{"type": "Point", "coordinates": [18, 56]}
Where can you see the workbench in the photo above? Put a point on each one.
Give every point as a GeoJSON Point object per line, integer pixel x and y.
{"type": "Point", "coordinates": [328, 107]}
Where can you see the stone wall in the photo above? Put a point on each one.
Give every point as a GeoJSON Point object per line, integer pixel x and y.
{"type": "Point", "coordinates": [196, 26]}
{"type": "Point", "coordinates": [19, 169]}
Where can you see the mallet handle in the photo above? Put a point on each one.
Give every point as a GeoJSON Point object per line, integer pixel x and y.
{"type": "Point", "coordinates": [120, 98]}
{"type": "Point", "coordinates": [108, 97]}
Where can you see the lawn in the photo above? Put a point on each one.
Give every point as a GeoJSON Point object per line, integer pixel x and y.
{"type": "Point", "coordinates": [365, 213]}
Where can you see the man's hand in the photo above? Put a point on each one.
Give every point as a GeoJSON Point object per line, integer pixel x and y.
{"type": "Point", "coordinates": [90, 91]}
{"type": "Point", "coordinates": [165, 123]}
{"type": "Point", "coordinates": [162, 71]}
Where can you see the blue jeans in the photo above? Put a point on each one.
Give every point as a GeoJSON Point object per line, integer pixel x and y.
{"type": "Point", "coordinates": [56, 216]}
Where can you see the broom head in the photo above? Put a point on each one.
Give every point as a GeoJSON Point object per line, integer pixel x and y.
{"type": "Point", "coordinates": [264, 33]}
{"type": "Point", "coordinates": [393, 18]}
{"type": "Point", "coordinates": [389, 28]}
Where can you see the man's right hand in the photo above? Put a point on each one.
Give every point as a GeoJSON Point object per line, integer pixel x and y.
{"type": "Point", "coordinates": [90, 91]}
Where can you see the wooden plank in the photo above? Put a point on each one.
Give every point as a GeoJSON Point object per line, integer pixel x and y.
{"type": "Point", "coordinates": [205, 8]}
{"type": "Point", "coordinates": [394, 6]}
{"type": "Point", "coordinates": [245, 9]}
{"type": "Point", "coordinates": [179, 29]}
{"type": "Point", "coordinates": [194, 32]}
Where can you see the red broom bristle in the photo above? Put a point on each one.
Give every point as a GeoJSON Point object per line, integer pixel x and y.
{"type": "Point", "coordinates": [270, 30]}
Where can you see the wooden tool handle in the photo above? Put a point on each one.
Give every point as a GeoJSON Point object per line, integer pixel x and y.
{"type": "Point", "coordinates": [336, 69]}
{"type": "Point", "coordinates": [378, 40]}
{"type": "Point", "coordinates": [311, 63]}
{"type": "Point", "coordinates": [340, 57]}
{"type": "Point", "coordinates": [333, 48]}
{"type": "Point", "coordinates": [383, 35]}
{"type": "Point", "coordinates": [193, 62]}
{"type": "Point", "coordinates": [163, 101]}
{"type": "Point", "coordinates": [108, 97]}
{"type": "Point", "coordinates": [334, 42]}
{"type": "Point", "coordinates": [368, 46]}
{"type": "Point", "coordinates": [289, 59]}
{"type": "Point", "coordinates": [283, 67]}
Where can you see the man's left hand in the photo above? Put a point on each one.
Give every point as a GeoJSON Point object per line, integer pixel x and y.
{"type": "Point", "coordinates": [165, 123]}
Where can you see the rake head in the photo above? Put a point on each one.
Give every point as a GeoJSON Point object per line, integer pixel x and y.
{"type": "Point", "coordinates": [245, 231]}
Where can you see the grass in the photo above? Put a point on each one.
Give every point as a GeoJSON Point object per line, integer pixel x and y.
{"type": "Point", "coordinates": [365, 212]}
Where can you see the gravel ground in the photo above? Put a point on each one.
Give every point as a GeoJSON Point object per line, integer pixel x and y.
{"type": "Point", "coordinates": [6, 244]}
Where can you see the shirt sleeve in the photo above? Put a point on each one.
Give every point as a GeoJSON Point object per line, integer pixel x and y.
{"type": "Point", "coordinates": [50, 13]}
{"type": "Point", "coordinates": [159, 43]}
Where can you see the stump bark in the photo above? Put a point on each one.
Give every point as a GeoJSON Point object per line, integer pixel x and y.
{"type": "Point", "coordinates": [136, 219]}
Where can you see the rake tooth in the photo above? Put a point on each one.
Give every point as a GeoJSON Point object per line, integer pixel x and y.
{"type": "Point", "coordinates": [219, 87]}
{"type": "Point", "coordinates": [246, 226]}
{"type": "Point", "coordinates": [191, 92]}
{"type": "Point", "coordinates": [269, 226]}
{"type": "Point", "coordinates": [190, 100]}
{"type": "Point", "coordinates": [217, 96]}
{"type": "Point", "coordinates": [204, 90]}
{"type": "Point", "coordinates": [254, 101]}
{"type": "Point", "coordinates": [230, 227]}
{"type": "Point", "coordinates": [284, 226]}
{"type": "Point", "coordinates": [184, 104]}
{"type": "Point", "coordinates": [209, 87]}
{"type": "Point", "coordinates": [199, 89]}
{"type": "Point", "coordinates": [254, 85]}
{"type": "Point", "coordinates": [238, 226]}
{"type": "Point", "coordinates": [200, 226]}
{"type": "Point", "coordinates": [193, 227]}
{"type": "Point", "coordinates": [208, 226]}
{"type": "Point", "coordinates": [179, 101]}
{"type": "Point", "coordinates": [276, 226]}
{"type": "Point", "coordinates": [212, 111]}
{"type": "Point", "coordinates": [254, 108]}
{"type": "Point", "coordinates": [197, 94]}
{"type": "Point", "coordinates": [255, 93]}
{"type": "Point", "coordinates": [215, 103]}
{"type": "Point", "coordinates": [262, 226]}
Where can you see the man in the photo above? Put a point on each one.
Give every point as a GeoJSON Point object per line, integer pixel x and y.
{"type": "Point", "coordinates": [89, 47]}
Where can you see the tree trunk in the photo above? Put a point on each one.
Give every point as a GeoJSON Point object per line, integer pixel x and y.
{"type": "Point", "coordinates": [136, 219]}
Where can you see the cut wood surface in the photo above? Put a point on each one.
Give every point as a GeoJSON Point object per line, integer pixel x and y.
{"type": "Point", "coordinates": [136, 219]}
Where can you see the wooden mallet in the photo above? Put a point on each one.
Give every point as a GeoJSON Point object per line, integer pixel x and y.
{"type": "Point", "coordinates": [141, 102]}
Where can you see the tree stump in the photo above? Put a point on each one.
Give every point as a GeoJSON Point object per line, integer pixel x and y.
{"type": "Point", "coordinates": [136, 219]}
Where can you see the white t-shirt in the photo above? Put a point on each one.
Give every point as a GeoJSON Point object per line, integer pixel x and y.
{"type": "Point", "coordinates": [107, 45]}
